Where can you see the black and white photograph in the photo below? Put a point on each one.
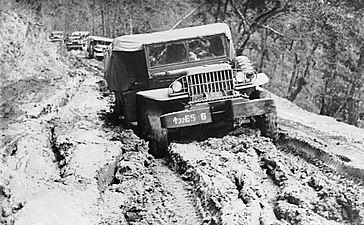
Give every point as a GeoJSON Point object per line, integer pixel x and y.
{"type": "Point", "coordinates": [182, 112]}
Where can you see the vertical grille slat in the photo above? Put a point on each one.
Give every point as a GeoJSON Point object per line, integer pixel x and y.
{"type": "Point", "coordinates": [196, 80]}
{"type": "Point", "coordinates": [216, 86]}
{"type": "Point", "coordinates": [192, 84]}
{"type": "Point", "coordinates": [225, 80]}
{"type": "Point", "coordinates": [203, 78]}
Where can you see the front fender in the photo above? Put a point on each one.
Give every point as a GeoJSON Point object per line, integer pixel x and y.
{"type": "Point", "coordinates": [262, 78]}
{"type": "Point", "coordinates": [160, 94]}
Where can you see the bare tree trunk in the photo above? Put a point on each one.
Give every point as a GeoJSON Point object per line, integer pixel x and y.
{"type": "Point", "coordinates": [294, 74]}
{"type": "Point", "coordinates": [301, 81]}
{"type": "Point", "coordinates": [217, 15]}
{"type": "Point", "coordinates": [130, 24]}
{"type": "Point", "coordinates": [325, 93]}
{"type": "Point", "coordinates": [93, 9]}
{"type": "Point", "coordinates": [113, 32]}
{"type": "Point", "coordinates": [102, 22]}
{"type": "Point", "coordinates": [357, 84]}
{"type": "Point", "coordinates": [263, 48]}
{"type": "Point", "coordinates": [283, 71]}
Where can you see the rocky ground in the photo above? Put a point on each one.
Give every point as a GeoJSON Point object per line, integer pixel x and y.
{"type": "Point", "coordinates": [66, 160]}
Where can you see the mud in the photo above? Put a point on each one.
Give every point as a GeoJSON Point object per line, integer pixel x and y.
{"type": "Point", "coordinates": [65, 159]}
{"type": "Point", "coordinates": [245, 179]}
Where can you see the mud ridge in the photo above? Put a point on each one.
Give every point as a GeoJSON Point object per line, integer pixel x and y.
{"type": "Point", "coordinates": [226, 183]}
{"type": "Point", "coordinates": [245, 179]}
{"type": "Point", "coordinates": [319, 157]}
{"type": "Point", "coordinates": [62, 151]}
{"type": "Point", "coordinates": [210, 208]}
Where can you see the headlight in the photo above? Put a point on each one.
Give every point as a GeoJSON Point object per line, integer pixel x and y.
{"type": "Point", "coordinates": [240, 76]}
{"type": "Point", "coordinates": [250, 75]}
{"type": "Point", "coordinates": [177, 86]}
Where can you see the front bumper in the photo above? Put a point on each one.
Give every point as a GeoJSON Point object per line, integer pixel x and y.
{"type": "Point", "coordinates": [230, 109]}
{"type": "Point", "coordinates": [56, 39]}
{"type": "Point", "coordinates": [73, 45]}
{"type": "Point", "coordinates": [98, 54]}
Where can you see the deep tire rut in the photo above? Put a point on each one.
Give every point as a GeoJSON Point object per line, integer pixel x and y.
{"type": "Point", "coordinates": [332, 166]}
{"type": "Point", "coordinates": [181, 198]}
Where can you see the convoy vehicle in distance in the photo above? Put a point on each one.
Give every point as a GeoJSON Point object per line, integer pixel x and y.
{"type": "Point", "coordinates": [96, 46]}
{"type": "Point", "coordinates": [170, 80]}
{"type": "Point", "coordinates": [56, 36]}
{"type": "Point", "coordinates": [76, 40]}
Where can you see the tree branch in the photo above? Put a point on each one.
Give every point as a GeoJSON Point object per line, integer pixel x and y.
{"type": "Point", "coordinates": [274, 31]}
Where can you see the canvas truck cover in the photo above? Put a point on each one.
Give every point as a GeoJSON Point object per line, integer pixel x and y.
{"type": "Point", "coordinates": [123, 69]}
{"type": "Point", "coordinates": [125, 62]}
{"type": "Point", "coordinates": [130, 43]}
{"type": "Point", "coordinates": [97, 38]}
{"type": "Point", "coordinates": [80, 33]}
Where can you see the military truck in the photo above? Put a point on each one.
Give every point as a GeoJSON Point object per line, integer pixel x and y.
{"type": "Point", "coordinates": [96, 46]}
{"type": "Point", "coordinates": [56, 36]}
{"type": "Point", "coordinates": [76, 40]}
{"type": "Point", "coordinates": [184, 78]}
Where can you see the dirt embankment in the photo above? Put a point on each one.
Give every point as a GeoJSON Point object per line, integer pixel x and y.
{"type": "Point", "coordinates": [63, 161]}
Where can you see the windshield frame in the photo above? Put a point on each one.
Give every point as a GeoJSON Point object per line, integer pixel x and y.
{"type": "Point", "coordinates": [189, 62]}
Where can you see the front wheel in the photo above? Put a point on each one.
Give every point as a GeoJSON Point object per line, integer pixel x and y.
{"type": "Point", "coordinates": [150, 128]}
{"type": "Point", "coordinates": [266, 123]}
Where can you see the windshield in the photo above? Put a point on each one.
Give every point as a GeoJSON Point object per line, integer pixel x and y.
{"type": "Point", "coordinates": [102, 42]}
{"type": "Point", "coordinates": [200, 48]}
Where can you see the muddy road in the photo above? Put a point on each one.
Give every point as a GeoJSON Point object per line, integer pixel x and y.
{"type": "Point", "coordinates": [65, 159]}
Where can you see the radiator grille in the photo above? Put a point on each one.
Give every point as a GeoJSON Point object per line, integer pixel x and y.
{"type": "Point", "coordinates": [197, 85]}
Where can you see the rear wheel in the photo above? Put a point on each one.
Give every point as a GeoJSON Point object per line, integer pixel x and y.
{"type": "Point", "coordinates": [150, 127]}
{"type": "Point", "coordinates": [266, 123]}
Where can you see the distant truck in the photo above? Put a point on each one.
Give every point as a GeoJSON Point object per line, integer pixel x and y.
{"type": "Point", "coordinates": [96, 46]}
{"type": "Point", "coordinates": [56, 36]}
{"type": "Point", "coordinates": [177, 79]}
{"type": "Point", "coordinates": [76, 40]}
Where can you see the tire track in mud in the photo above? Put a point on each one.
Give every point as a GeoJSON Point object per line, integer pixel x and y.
{"type": "Point", "coordinates": [226, 182]}
{"type": "Point", "coordinates": [245, 179]}
{"type": "Point", "coordinates": [315, 154]}
{"type": "Point", "coordinates": [32, 168]}
{"type": "Point", "coordinates": [181, 197]}
{"type": "Point", "coordinates": [151, 192]}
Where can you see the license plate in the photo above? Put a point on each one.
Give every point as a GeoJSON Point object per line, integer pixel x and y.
{"type": "Point", "coordinates": [186, 118]}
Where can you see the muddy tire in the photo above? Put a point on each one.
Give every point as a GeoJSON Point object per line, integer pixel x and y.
{"type": "Point", "coordinates": [266, 123]}
{"type": "Point", "coordinates": [150, 128]}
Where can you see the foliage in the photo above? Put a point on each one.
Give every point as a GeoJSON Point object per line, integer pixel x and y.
{"type": "Point", "coordinates": [113, 18]}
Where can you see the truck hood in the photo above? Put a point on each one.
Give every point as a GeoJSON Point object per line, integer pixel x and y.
{"type": "Point", "coordinates": [192, 70]}
{"type": "Point", "coordinates": [100, 47]}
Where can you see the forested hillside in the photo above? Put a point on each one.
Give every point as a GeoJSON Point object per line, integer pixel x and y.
{"type": "Point", "coordinates": [313, 50]}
